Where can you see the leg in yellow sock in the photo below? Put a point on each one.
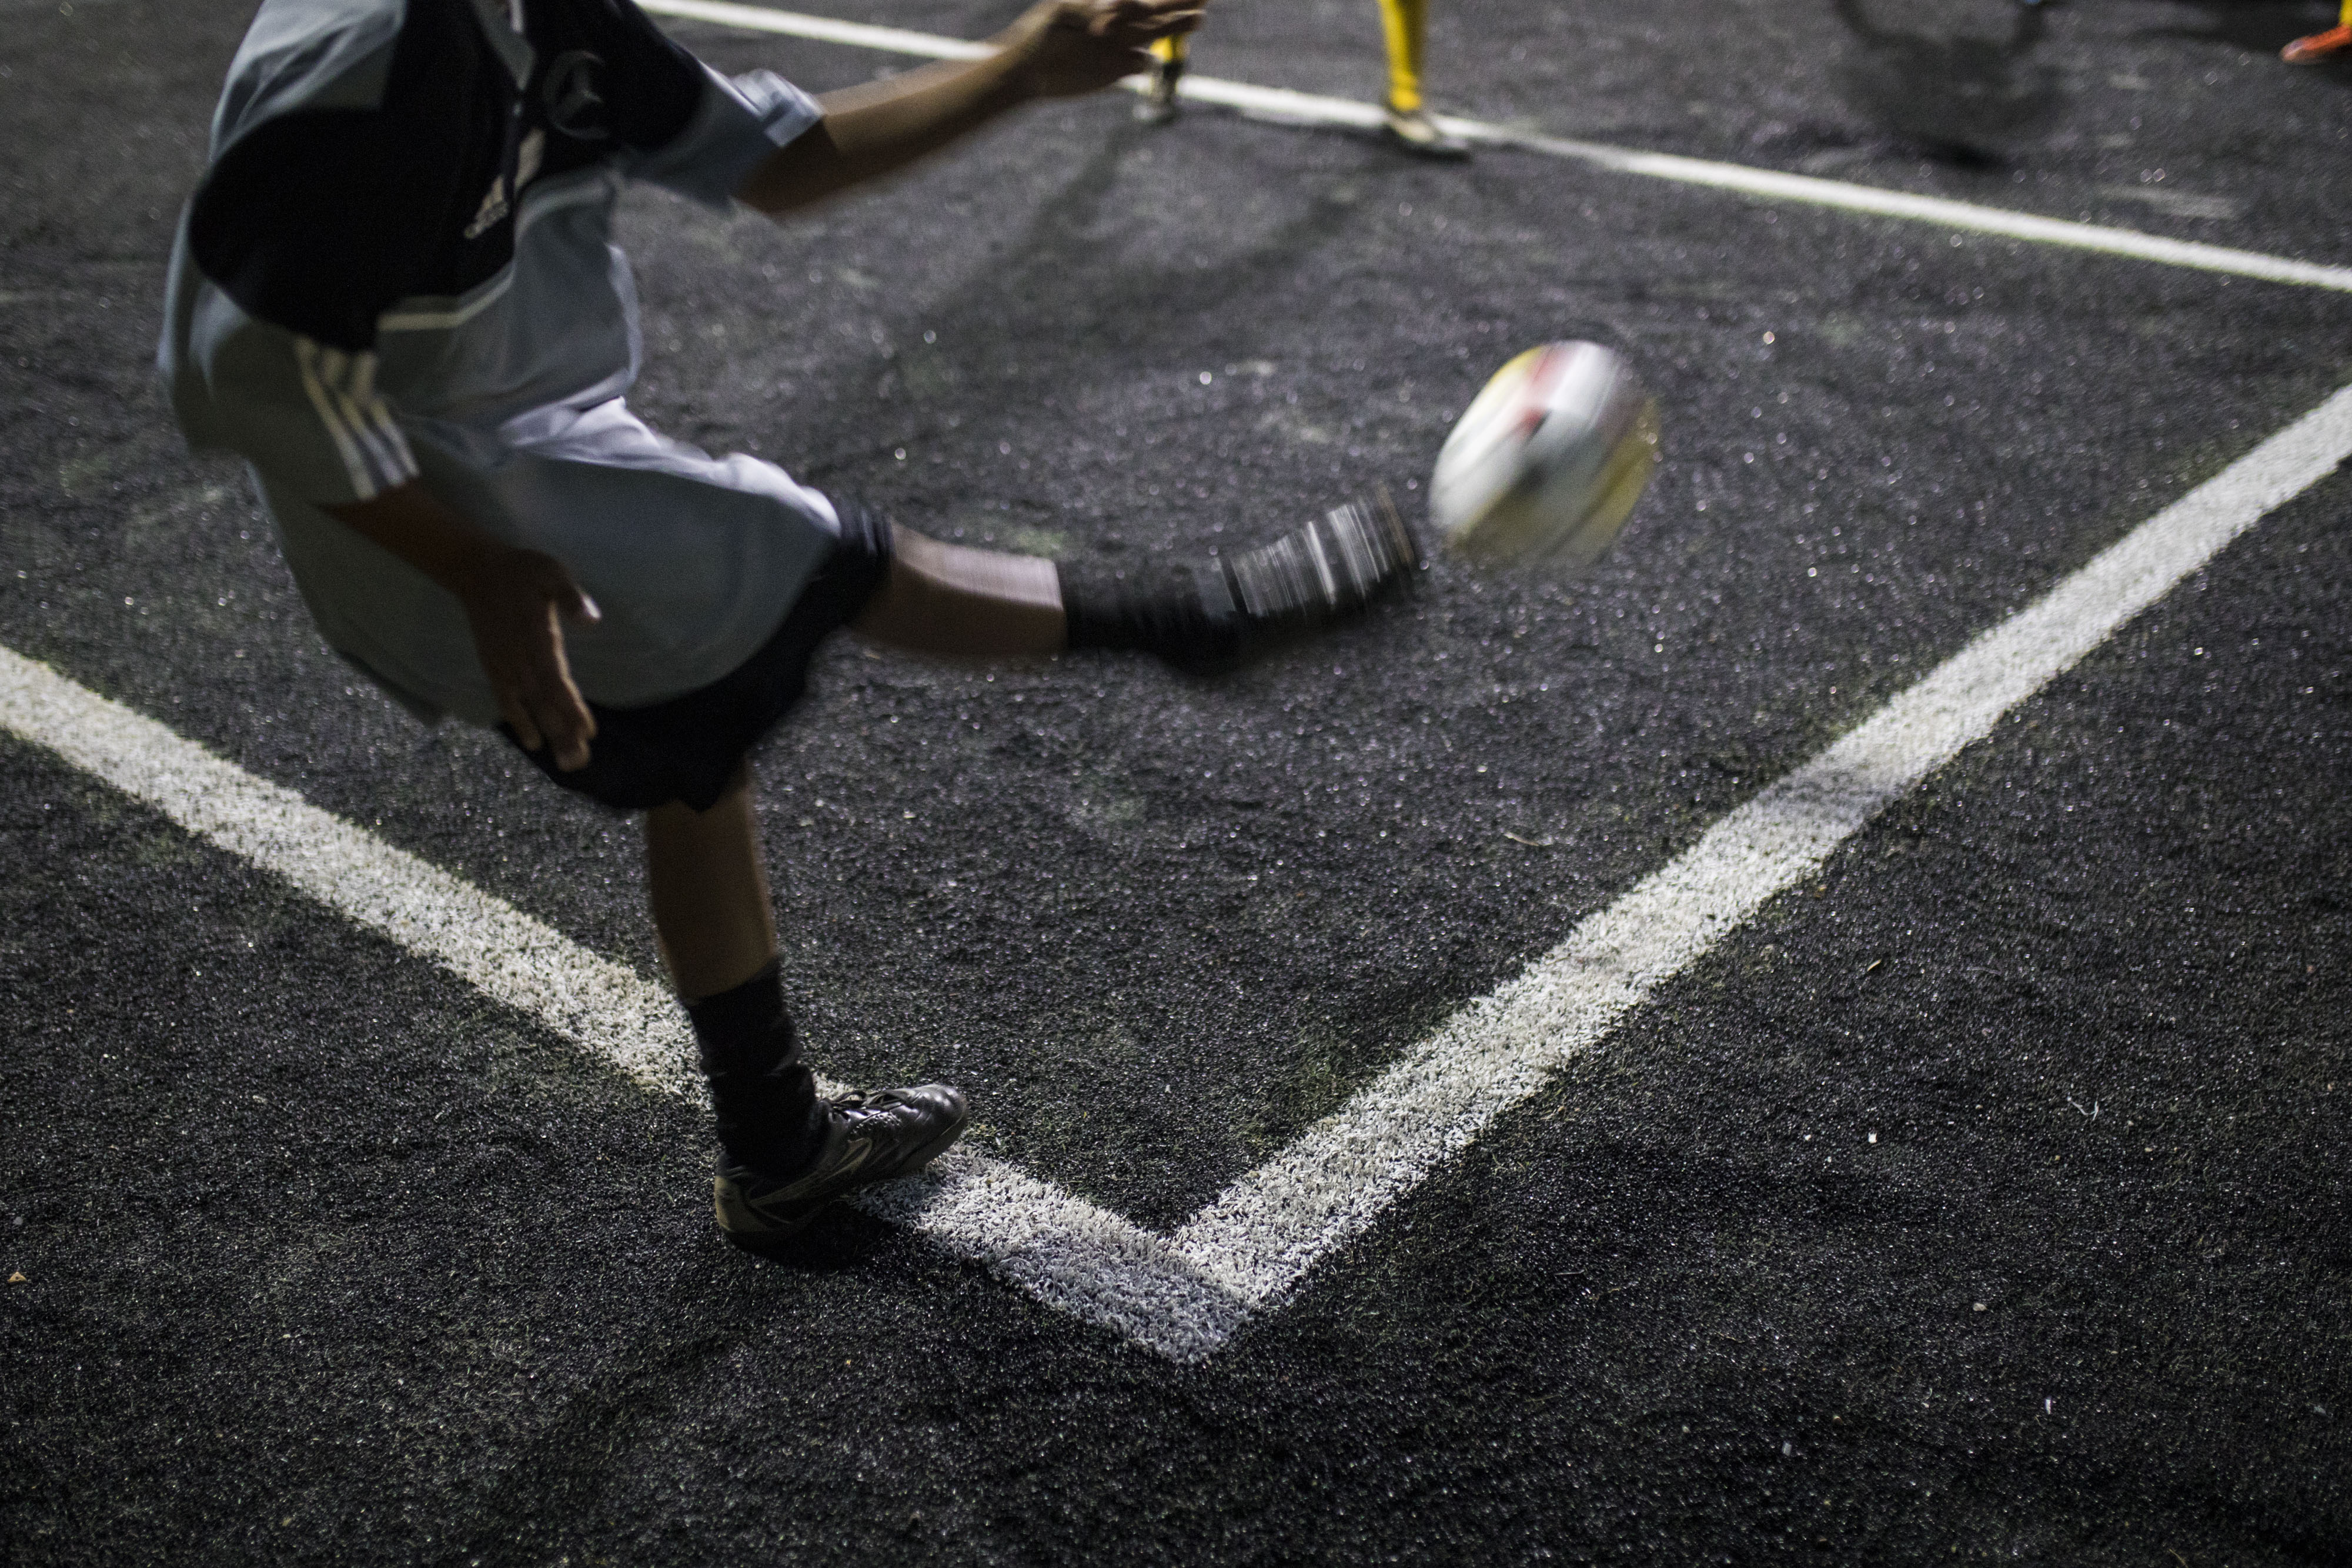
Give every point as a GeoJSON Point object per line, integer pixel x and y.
{"type": "Point", "coordinates": [1405, 25]}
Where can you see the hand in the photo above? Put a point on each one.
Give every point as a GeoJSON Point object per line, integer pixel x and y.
{"type": "Point", "coordinates": [511, 598]}
{"type": "Point", "coordinates": [1066, 48]}
{"type": "Point", "coordinates": [515, 601]}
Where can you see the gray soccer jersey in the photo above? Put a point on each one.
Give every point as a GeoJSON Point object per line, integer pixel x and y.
{"type": "Point", "coordinates": [399, 264]}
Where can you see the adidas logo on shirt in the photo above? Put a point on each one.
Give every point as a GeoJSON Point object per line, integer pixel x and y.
{"type": "Point", "coordinates": [493, 208]}
{"type": "Point", "coordinates": [494, 204]}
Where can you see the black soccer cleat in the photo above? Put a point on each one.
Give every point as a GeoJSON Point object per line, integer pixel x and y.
{"type": "Point", "coordinates": [1330, 571]}
{"type": "Point", "coordinates": [869, 1138]}
{"type": "Point", "coordinates": [1209, 617]}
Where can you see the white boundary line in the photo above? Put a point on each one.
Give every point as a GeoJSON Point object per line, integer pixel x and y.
{"type": "Point", "coordinates": [1066, 1251]}
{"type": "Point", "coordinates": [1769, 183]}
{"type": "Point", "coordinates": [1183, 1296]}
{"type": "Point", "coordinates": [1269, 1228]}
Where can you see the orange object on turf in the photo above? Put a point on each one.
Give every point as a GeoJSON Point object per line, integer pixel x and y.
{"type": "Point", "coordinates": [2318, 46]}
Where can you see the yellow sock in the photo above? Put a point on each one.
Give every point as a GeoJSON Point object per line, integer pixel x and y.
{"type": "Point", "coordinates": [1405, 25]}
{"type": "Point", "coordinates": [1172, 47]}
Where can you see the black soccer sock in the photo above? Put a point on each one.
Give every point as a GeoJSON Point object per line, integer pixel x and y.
{"type": "Point", "coordinates": [1172, 618]}
{"type": "Point", "coordinates": [765, 1096]}
{"type": "Point", "coordinates": [1225, 609]}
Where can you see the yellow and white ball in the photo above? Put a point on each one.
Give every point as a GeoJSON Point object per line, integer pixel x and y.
{"type": "Point", "coordinates": [1547, 461]}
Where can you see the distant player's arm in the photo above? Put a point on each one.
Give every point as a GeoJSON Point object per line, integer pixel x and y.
{"type": "Point", "coordinates": [513, 599]}
{"type": "Point", "coordinates": [1060, 48]}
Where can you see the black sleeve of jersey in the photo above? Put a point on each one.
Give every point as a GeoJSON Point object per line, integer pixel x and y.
{"type": "Point", "coordinates": [309, 222]}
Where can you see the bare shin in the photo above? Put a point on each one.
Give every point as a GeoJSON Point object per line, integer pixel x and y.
{"type": "Point", "coordinates": [709, 886]}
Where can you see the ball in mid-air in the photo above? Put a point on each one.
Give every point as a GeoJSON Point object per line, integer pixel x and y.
{"type": "Point", "coordinates": [1547, 461]}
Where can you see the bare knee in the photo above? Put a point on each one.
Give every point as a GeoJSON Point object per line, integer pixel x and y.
{"type": "Point", "coordinates": [947, 598]}
{"type": "Point", "coordinates": [678, 818]}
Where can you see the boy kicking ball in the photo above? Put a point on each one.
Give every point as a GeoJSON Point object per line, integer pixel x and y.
{"type": "Point", "coordinates": [395, 296]}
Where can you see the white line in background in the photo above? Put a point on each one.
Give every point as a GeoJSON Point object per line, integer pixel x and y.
{"type": "Point", "coordinates": [1184, 1296]}
{"type": "Point", "coordinates": [1771, 184]}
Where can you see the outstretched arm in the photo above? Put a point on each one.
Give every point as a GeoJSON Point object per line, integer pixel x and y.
{"type": "Point", "coordinates": [1059, 48]}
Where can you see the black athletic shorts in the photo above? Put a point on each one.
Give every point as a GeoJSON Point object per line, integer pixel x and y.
{"type": "Point", "coordinates": [688, 748]}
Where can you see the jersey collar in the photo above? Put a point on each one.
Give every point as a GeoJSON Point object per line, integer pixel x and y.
{"type": "Point", "coordinates": [501, 23]}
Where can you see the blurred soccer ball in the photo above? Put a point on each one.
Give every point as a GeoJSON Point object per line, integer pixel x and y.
{"type": "Point", "coordinates": [1549, 459]}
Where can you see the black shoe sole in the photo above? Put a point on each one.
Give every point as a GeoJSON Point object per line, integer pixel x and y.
{"type": "Point", "coordinates": [768, 1243]}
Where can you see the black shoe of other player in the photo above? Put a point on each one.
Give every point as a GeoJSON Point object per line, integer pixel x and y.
{"type": "Point", "coordinates": [869, 1138]}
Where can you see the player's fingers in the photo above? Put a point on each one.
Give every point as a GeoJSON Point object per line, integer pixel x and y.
{"type": "Point", "coordinates": [1145, 27]}
{"type": "Point", "coordinates": [1181, 17]}
{"type": "Point", "coordinates": [1118, 19]}
{"type": "Point", "coordinates": [517, 714]}
{"type": "Point", "coordinates": [572, 746]}
{"type": "Point", "coordinates": [552, 578]}
{"type": "Point", "coordinates": [560, 712]}
{"type": "Point", "coordinates": [570, 727]}
{"type": "Point", "coordinates": [1139, 35]}
{"type": "Point", "coordinates": [571, 600]}
{"type": "Point", "coordinates": [560, 721]}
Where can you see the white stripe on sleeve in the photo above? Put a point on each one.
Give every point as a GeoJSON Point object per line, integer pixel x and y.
{"type": "Point", "coordinates": [342, 387]}
{"type": "Point", "coordinates": [351, 379]}
{"type": "Point", "coordinates": [306, 356]}
{"type": "Point", "coordinates": [400, 464]}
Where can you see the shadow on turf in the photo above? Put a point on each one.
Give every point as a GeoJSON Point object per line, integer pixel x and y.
{"type": "Point", "coordinates": [1959, 99]}
{"type": "Point", "coordinates": [723, 1300]}
{"type": "Point", "coordinates": [835, 1242]}
{"type": "Point", "coordinates": [1051, 289]}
